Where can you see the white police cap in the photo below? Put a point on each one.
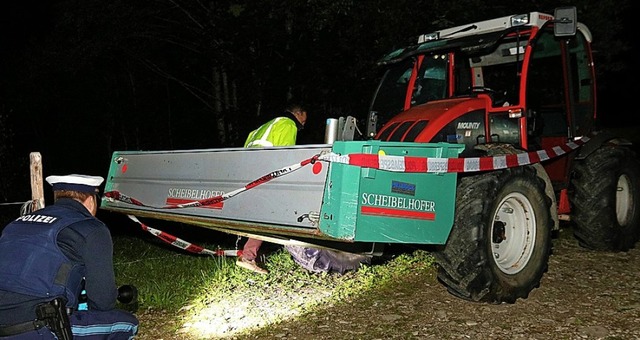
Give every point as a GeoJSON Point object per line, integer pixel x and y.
{"type": "Point", "coordinates": [74, 182]}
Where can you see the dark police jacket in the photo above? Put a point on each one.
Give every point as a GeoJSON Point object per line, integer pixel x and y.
{"type": "Point", "coordinates": [47, 253]}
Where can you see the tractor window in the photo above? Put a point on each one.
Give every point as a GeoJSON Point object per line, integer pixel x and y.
{"type": "Point", "coordinates": [431, 83]}
{"type": "Point", "coordinates": [462, 75]}
{"type": "Point", "coordinates": [498, 73]}
{"type": "Point", "coordinates": [546, 87]}
{"type": "Point", "coordinates": [392, 91]}
{"type": "Point", "coordinates": [582, 85]}
{"type": "Point", "coordinates": [504, 81]}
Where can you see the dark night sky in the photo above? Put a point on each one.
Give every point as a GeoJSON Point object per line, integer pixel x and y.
{"type": "Point", "coordinates": [77, 128]}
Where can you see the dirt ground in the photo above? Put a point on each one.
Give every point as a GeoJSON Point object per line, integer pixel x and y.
{"type": "Point", "coordinates": [584, 295]}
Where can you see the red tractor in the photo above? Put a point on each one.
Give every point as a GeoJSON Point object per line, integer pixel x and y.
{"type": "Point", "coordinates": [513, 85]}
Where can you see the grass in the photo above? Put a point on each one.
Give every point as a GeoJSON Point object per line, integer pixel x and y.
{"type": "Point", "coordinates": [212, 298]}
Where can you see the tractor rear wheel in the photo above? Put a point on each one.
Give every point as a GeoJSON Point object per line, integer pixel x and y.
{"type": "Point", "coordinates": [605, 198]}
{"type": "Point", "coordinates": [499, 247]}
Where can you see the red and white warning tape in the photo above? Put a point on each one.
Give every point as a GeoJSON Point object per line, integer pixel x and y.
{"type": "Point", "coordinates": [182, 244]}
{"type": "Point", "coordinates": [382, 162]}
{"type": "Point", "coordinates": [440, 165]}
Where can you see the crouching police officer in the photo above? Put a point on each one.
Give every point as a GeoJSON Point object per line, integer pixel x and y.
{"type": "Point", "coordinates": [48, 257]}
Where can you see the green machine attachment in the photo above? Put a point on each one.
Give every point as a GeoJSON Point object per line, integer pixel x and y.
{"type": "Point", "coordinates": [369, 204]}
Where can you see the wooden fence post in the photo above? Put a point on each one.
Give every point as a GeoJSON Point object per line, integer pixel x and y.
{"type": "Point", "coordinates": [37, 191]}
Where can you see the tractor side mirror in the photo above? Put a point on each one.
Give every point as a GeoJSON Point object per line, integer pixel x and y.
{"type": "Point", "coordinates": [565, 21]}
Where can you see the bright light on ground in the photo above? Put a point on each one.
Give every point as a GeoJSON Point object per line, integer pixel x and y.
{"type": "Point", "coordinates": [245, 309]}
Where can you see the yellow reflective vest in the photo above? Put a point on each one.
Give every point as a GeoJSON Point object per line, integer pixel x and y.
{"type": "Point", "coordinates": [280, 131]}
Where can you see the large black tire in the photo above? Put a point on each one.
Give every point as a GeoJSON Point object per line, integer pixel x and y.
{"type": "Point", "coordinates": [499, 247]}
{"type": "Point", "coordinates": [605, 197]}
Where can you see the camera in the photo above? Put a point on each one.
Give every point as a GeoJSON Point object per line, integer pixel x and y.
{"type": "Point", "coordinates": [127, 294]}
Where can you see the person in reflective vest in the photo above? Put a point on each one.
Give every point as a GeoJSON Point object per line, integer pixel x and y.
{"type": "Point", "coordinates": [48, 257]}
{"type": "Point", "coordinates": [279, 131]}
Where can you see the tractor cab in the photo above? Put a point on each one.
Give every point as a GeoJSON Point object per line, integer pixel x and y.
{"type": "Point", "coordinates": [525, 80]}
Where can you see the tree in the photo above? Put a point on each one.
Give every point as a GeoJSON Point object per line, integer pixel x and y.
{"type": "Point", "coordinates": [175, 74]}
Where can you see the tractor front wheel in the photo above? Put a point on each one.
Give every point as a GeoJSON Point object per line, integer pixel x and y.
{"type": "Point", "coordinates": [500, 243]}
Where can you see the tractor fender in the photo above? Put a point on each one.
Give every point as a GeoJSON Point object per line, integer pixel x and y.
{"type": "Point", "coordinates": [507, 149]}
{"type": "Point", "coordinates": [597, 140]}
{"type": "Point", "coordinates": [548, 189]}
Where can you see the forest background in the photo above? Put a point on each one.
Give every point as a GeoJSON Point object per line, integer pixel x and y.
{"type": "Point", "coordinates": [82, 79]}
